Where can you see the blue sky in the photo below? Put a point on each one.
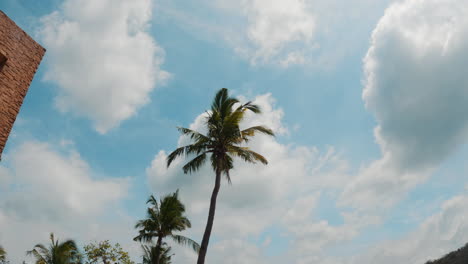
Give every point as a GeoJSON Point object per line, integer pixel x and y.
{"type": "Point", "coordinates": [368, 99]}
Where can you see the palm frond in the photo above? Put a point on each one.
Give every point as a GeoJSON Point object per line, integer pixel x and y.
{"type": "Point", "coordinates": [151, 253]}
{"type": "Point", "coordinates": [258, 157]}
{"type": "Point", "coordinates": [220, 97]}
{"type": "Point", "coordinates": [68, 252]}
{"type": "Point", "coordinates": [192, 134]}
{"type": "Point", "coordinates": [145, 236]}
{"type": "Point", "coordinates": [227, 107]}
{"type": "Point", "coordinates": [251, 131]}
{"type": "Point", "coordinates": [175, 154]}
{"type": "Point", "coordinates": [41, 249]}
{"type": "Point", "coordinates": [227, 166]}
{"type": "Point", "coordinates": [247, 155]}
{"type": "Point", "coordinates": [186, 150]}
{"type": "Point", "coordinates": [150, 226]}
{"type": "Point", "coordinates": [152, 200]}
{"type": "Point", "coordinates": [222, 103]}
{"type": "Point", "coordinates": [194, 164]}
{"type": "Point", "coordinates": [230, 128]}
{"type": "Point", "coordinates": [38, 256]}
{"type": "Point", "coordinates": [252, 107]}
{"type": "Point", "coordinates": [185, 241]}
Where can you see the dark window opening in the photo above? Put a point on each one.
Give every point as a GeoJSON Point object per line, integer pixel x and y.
{"type": "Point", "coordinates": [3, 61]}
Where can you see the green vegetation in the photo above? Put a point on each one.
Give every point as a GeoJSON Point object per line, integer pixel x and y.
{"type": "Point", "coordinates": [223, 141]}
{"type": "Point", "coordinates": [105, 253]}
{"type": "Point", "coordinates": [2, 255]}
{"type": "Point", "coordinates": [162, 220]}
{"type": "Point", "coordinates": [56, 253]}
{"type": "Point", "coordinates": [459, 256]}
{"type": "Point", "coordinates": [152, 253]}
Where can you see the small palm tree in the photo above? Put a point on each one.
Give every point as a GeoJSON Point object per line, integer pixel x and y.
{"type": "Point", "coordinates": [223, 141]}
{"type": "Point", "coordinates": [57, 253]}
{"type": "Point", "coordinates": [163, 219]}
{"type": "Point", "coordinates": [151, 254]}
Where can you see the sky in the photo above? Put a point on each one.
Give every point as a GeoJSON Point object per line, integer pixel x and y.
{"type": "Point", "coordinates": [367, 99]}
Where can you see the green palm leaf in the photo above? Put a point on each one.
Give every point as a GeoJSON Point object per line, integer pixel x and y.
{"type": "Point", "coordinates": [246, 134]}
{"type": "Point", "coordinates": [185, 241]}
{"type": "Point", "coordinates": [194, 164]}
{"type": "Point", "coordinates": [247, 155]}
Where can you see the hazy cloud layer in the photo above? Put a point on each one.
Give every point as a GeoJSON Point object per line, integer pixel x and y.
{"type": "Point", "coordinates": [283, 33]}
{"type": "Point", "coordinates": [102, 58]}
{"type": "Point", "coordinates": [439, 234]}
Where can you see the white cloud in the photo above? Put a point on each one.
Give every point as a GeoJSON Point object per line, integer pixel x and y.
{"type": "Point", "coordinates": [276, 25]}
{"type": "Point", "coordinates": [102, 58]}
{"type": "Point", "coordinates": [415, 82]}
{"type": "Point", "coordinates": [260, 196]}
{"type": "Point", "coordinates": [416, 86]}
{"type": "Point", "coordinates": [38, 169]}
{"type": "Point", "coordinates": [53, 190]}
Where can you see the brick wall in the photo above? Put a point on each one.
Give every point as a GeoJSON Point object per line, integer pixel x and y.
{"type": "Point", "coordinates": [23, 56]}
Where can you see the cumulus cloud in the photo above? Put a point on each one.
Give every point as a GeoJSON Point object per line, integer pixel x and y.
{"type": "Point", "coordinates": [416, 86]}
{"type": "Point", "coordinates": [102, 58]}
{"type": "Point", "coordinates": [51, 189]}
{"type": "Point", "coordinates": [260, 196]}
{"type": "Point", "coordinates": [415, 82]}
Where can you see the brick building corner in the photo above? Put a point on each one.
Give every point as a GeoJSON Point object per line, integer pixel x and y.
{"type": "Point", "coordinates": [20, 57]}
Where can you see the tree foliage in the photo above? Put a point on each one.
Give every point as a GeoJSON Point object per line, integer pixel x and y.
{"type": "Point", "coordinates": [459, 256]}
{"type": "Point", "coordinates": [57, 253]}
{"type": "Point", "coordinates": [151, 253]}
{"type": "Point", "coordinates": [224, 139]}
{"type": "Point", "coordinates": [104, 253]}
{"type": "Point", "coordinates": [2, 255]}
{"type": "Point", "coordinates": [163, 219]}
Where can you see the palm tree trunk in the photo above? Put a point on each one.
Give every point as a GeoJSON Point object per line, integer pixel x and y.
{"type": "Point", "coordinates": [158, 249]}
{"type": "Point", "coordinates": [209, 224]}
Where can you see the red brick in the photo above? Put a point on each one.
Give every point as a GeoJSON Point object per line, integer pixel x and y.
{"type": "Point", "coordinates": [23, 56]}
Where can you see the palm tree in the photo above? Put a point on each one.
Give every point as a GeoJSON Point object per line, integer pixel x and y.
{"type": "Point", "coordinates": [151, 253]}
{"type": "Point", "coordinates": [57, 253]}
{"type": "Point", "coordinates": [223, 141]}
{"type": "Point", "coordinates": [163, 219]}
